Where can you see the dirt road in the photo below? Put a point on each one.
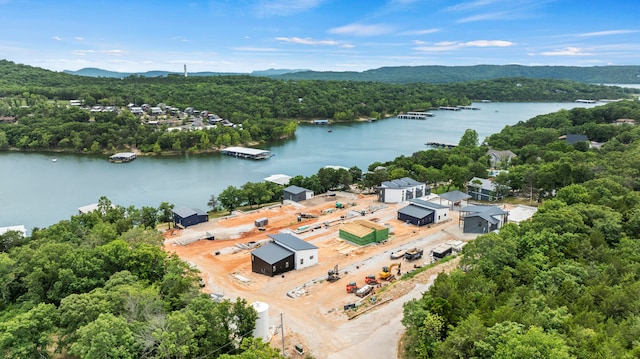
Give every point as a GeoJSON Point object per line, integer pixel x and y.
{"type": "Point", "coordinates": [313, 312]}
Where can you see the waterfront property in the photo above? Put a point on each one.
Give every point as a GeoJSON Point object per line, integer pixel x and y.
{"type": "Point", "coordinates": [482, 189]}
{"type": "Point", "coordinates": [244, 152]}
{"type": "Point", "coordinates": [122, 157]}
{"type": "Point", "coordinates": [402, 189]}
{"type": "Point", "coordinates": [420, 212]}
{"type": "Point", "coordinates": [184, 216]}
{"type": "Point", "coordinates": [482, 219]}
{"type": "Point", "coordinates": [286, 252]}
{"type": "Point", "coordinates": [296, 194]}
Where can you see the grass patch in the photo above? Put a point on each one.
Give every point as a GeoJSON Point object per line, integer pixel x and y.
{"type": "Point", "coordinates": [414, 273]}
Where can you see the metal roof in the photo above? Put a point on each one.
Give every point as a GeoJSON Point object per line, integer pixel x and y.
{"type": "Point", "coordinates": [291, 241]}
{"type": "Point", "coordinates": [295, 189]}
{"type": "Point", "coordinates": [426, 204]}
{"type": "Point", "coordinates": [404, 182]}
{"type": "Point", "coordinates": [272, 253]}
{"type": "Point", "coordinates": [245, 150]}
{"type": "Point", "coordinates": [487, 213]}
{"type": "Point", "coordinates": [415, 211]}
{"type": "Point", "coordinates": [184, 211]}
{"type": "Point", "coordinates": [455, 196]}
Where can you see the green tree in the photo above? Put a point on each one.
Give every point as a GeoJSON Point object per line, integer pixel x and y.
{"type": "Point", "coordinates": [108, 336]}
{"type": "Point", "coordinates": [29, 334]}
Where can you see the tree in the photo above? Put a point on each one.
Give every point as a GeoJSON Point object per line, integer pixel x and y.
{"type": "Point", "coordinates": [106, 337]}
{"type": "Point", "coordinates": [213, 203]}
{"type": "Point", "coordinates": [28, 334]}
{"type": "Point", "coordinates": [469, 139]}
{"type": "Point", "coordinates": [231, 198]}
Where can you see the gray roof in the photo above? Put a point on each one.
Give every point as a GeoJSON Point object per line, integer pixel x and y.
{"type": "Point", "coordinates": [295, 189]}
{"type": "Point", "coordinates": [404, 182]}
{"type": "Point", "coordinates": [455, 196]}
{"type": "Point", "coordinates": [487, 213]}
{"type": "Point", "coordinates": [426, 204]}
{"type": "Point", "coordinates": [291, 241]}
{"type": "Point", "coordinates": [272, 253]}
{"type": "Point", "coordinates": [485, 184]}
{"type": "Point", "coordinates": [184, 211]}
{"type": "Point", "coordinates": [415, 211]}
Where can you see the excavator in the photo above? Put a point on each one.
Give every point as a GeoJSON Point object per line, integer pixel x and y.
{"type": "Point", "coordinates": [386, 272]}
{"type": "Point", "coordinates": [333, 275]}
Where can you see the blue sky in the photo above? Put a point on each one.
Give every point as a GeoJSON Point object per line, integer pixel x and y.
{"type": "Point", "coordinates": [322, 35]}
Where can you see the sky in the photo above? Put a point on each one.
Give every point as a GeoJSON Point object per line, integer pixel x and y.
{"type": "Point", "coordinates": [320, 35]}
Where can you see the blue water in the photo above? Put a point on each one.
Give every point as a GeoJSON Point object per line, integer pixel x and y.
{"type": "Point", "coordinates": [38, 192]}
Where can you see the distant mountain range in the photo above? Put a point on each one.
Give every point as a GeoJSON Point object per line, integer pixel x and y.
{"type": "Point", "coordinates": [429, 74]}
{"type": "Point", "coordinates": [95, 72]}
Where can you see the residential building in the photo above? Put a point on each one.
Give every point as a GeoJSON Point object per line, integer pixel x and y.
{"type": "Point", "coordinates": [400, 190]}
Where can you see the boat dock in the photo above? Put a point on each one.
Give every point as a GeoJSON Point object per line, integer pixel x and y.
{"type": "Point", "coordinates": [122, 157]}
{"type": "Point", "coordinates": [468, 108]}
{"type": "Point", "coordinates": [440, 144]}
{"type": "Point", "coordinates": [244, 152]}
{"type": "Point", "coordinates": [449, 108]}
{"type": "Point", "coordinates": [414, 115]}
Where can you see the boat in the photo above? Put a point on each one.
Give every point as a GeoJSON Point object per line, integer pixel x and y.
{"type": "Point", "coordinates": [54, 160]}
{"type": "Point", "coordinates": [329, 130]}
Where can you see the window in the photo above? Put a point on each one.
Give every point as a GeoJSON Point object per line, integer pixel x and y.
{"type": "Point", "coordinates": [311, 257]}
{"type": "Point", "coordinates": [286, 264]}
{"type": "Point", "coordinates": [301, 260]}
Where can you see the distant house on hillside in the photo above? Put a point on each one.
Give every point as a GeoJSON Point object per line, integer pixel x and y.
{"type": "Point", "coordinates": [420, 212]}
{"type": "Point", "coordinates": [482, 219]}
{"type": "Point", "coordinates": [482, 189]}
{"type": "Point", "coordinates": [497, 158]}
{"type": "Point", "coordinates": [572, 138]}
{"type": "Point", "coordinates": [184, 216]}
{"type": "Point", "coordinates": [296, 194]}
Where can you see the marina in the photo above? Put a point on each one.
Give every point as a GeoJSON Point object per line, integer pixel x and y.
{"type": "Point", "coordinates": [244, 152]}
{"type": "Point", "coordinates": [414, 115]}
{"type": "Point", "coordinates": [122, 157]}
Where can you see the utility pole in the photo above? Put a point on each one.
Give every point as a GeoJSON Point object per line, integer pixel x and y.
{"type": "Point", "coordinates": [282, 333]}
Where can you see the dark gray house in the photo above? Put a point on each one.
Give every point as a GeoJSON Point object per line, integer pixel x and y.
{"type": "Point", "coordinates": [297, 194]}
{"type": "Point", "coordinates": [184, 216]}
{"type": "Point", "coordinates": [272, 259]}
{"type": "Point", "coordinates": [420, 212]}
{"type": "Point", "coordinates": [482, 189]}
{"type": "Point", "coordinates": [482, 219]}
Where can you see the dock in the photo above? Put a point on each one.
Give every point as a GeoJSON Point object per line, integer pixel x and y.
{"type": "Point", "coordinates": [440, 144]}
{"type": "Point", "coordinates": [449, 108]}
{"type": "Point", "coordinates": [244, 152]}
{"type": "Point", "coordinates": [414, 115]}
{"type": "Point", "coordinates": [122, 157]}
{"type": "Point", "coordinates": [468, 108]}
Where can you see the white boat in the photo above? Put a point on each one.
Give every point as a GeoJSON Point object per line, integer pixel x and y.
{"type": "Point", "coordinates": [54, 160]}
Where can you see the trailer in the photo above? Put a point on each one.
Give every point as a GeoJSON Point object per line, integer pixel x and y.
{"type": "Point", "coordinates": [441, 251]}
{"type": "Point", "coordinates": [364, 291]}
{"type": "Point", "coordinates": [413, 253]}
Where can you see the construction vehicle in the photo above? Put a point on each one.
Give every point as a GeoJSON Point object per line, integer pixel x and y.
{"type": "Point", "coordinates": [371, 279]}
{"type": "Point", "coordinates": [413, 253]}
{"type": "Point", "coordinates": [366, 289]}
{"type": "Point", "coordinates": [386, 272]}
{"type": "Point", "coordinates": [333, 275]}
{"type": "Point", "coordinates": [352, 287]}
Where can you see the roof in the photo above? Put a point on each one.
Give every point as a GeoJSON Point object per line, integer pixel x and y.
{"type": "Point", "coordinates": [123, 155]}
{"type": "Point", "coordinates": [279, 179]}
{"type": "Point", "coordinates": [455, 196]}
{"type": "Point", "coordinates": [361, 228]}
{"type": "Point", "coordinates": [426, 204]}
{"type": "Point", "coordinates": [415, 211]}
{"type": "Point", "coordinates": [404, 182]}
{"type": "Point", "coordinates": [184, 211]}
{"type": "Point", "coordinates": [88, 208]}
{"type": "Point", "coordinates": [485, 184]}
{"type": "Point", "coordinates": [20, 228]}
{"type": "Point", "coordinates": [501, 154]}
{"type": "Point", "coordinates": [521, 213]}
{"type": "Point", "coordinates": [296, 189]}
{"type": "Point", "coordinates": [488, 213]}
{"type": "Point", "coordinates": [245, 150]}
{"type": "Point", "coordinates": [572, 138]}
{"type": "Point", "coordinates": [271, 253]}
{"type": "Point", "coordinates": [291, 241]}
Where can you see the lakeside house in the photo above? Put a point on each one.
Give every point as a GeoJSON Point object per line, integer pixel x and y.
{"type": "Point", "coordinates": [400, 190]}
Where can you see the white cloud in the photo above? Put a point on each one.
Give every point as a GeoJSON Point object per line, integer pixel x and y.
{"type": "Point", "coordinates": [307, 41]}
{"type": "Point", "coordinates": [362, 30]}
{"type": "Point", "coordinates": [113, 52]}
{"type": "Point", "coordinates": [471, 5]}
{"type": "Point", "coordinates": [57, 38]}
{"type": "Point", "coordinates": [285, 7]}
{"type": "Point", "coordinates": [500, 15]}
{"type": "Point", "coordinates": [454, 45]}
{"type": "Point", "coordinates": [487, 43]}
{"type": "Point", "coordinates": [607, 33]}
{"type": "Point", "coordinates": [79, 38]}
{"type": "Point", "coordinates": [567, 51]}
{"type": "Point", "coordinates": [421, 32]}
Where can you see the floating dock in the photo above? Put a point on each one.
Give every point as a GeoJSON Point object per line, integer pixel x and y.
{"type": "Point", "coordinates": [468, 108]}
{"type": "Point", "coordinates": [413, 115]}
{"type": "Point", "coordinates": [244, 152]}
{"type": "Point", "coordinates": [122, 157]}
{"type": "Point", "coordinates": [449, 108]}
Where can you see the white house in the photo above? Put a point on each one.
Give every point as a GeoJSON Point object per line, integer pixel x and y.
{"type": "Point", "coordinates": [400, 190]}
{"type": "Point", "coordinates": [305, 253]}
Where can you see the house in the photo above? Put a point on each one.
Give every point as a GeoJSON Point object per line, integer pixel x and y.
{"type": "Point", "coordinates": [286, 252]}
{"type": "Point", "coordinates": [136, 110]}
{"type": "Point", "coordinates": [364, 232]}
{"type": "Point", "coordinates": [482, 189]}
{"type": "Point", "coordinates": [8, 119]}
{"type": "Point", "coordinates": [279, 179]}
{"type": "Point", "coordinates": [20, 228]}
{"type": "Point", "coordinates": [156, 111]}
{"type": "Point", "coordinates": [305, 253]}
{"type": "Point", "coordinates": [482, 219]}
{"type": "Point", "coordinates": [400, 190]}
{"type": "Point", "coordinates": [420, 212]}
{"type": "Point", "coordinates": [500, 158]}
{"type": "Point", "coordinates": [572, 138]}
{"type": "Point", "coordinates": [184, 216]}
{"type": "Point", "coordinates": [297, 194]}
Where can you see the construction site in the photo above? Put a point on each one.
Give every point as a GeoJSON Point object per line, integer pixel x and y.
{"type": "Point", "coordinates": [350, 302]}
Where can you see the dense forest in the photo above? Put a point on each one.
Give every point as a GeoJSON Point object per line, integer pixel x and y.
{"type": "Point", "coordinates": [564, 284]}
{"type": "Point", "coordinates": [262, 109]}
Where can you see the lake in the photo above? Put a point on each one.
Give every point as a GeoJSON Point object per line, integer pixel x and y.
{"type": "Point", "coordinates": [37, 192]}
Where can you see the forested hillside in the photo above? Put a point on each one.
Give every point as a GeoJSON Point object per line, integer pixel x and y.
{"type": "Point", "coordinates": [564, 284]}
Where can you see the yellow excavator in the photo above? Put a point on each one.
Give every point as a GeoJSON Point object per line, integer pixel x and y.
{"type": "Point", "coordinates": [386, 271]}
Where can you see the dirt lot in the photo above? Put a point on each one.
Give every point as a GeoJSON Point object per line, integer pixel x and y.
{"type": "Point", "coordinates": [312, 308]}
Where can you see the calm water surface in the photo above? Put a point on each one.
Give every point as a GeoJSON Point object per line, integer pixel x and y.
{"type": "Point", "coordinates": [37, 192]}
